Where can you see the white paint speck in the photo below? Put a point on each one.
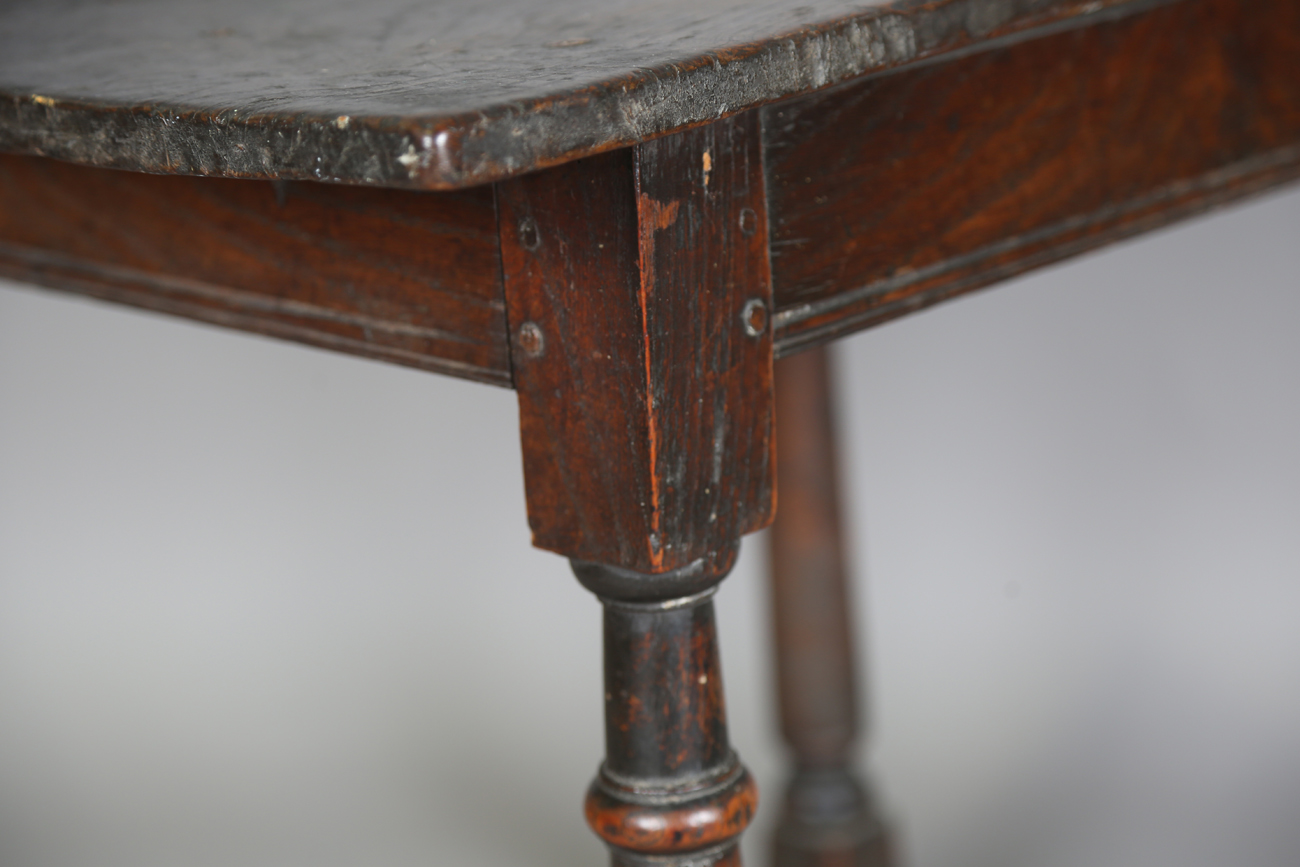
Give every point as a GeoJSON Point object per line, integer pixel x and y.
{"type": "Point", "coordinates": [410, 159]}
{"type": "Point", "coordinates": [342, 121]}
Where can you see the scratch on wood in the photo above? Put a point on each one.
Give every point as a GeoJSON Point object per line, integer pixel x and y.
{"type": "Point", "coordinates": [653, 216]}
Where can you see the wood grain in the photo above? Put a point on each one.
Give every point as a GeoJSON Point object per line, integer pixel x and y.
{"type": "Point", "coordinates": [445, 94]}
{"type": "Point", "coordinates": [407, 277]}
{"type": "Point", "coordinates": [645, 400]}
{"type": "Point", "coordinates": [906, 189]}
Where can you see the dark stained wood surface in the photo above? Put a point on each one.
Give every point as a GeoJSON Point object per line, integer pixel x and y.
{"type": "Point", "coordinates": [671, 791]}
{"type": "Point", "coordinates": [403, 276]}
{"type": "Point", "coordinates": [909, 188]}
{"type": "Point", "coordinates": [440, 94]}
{"type": "Point", "coordinates": [888, 194]}
{"type": "Point", "coordinates": [827, 818]}
{"type": "Point", "coordinates": [645, 394]}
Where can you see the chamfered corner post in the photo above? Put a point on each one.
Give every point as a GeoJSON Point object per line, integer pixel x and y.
{"type": "Point", "coordinates": [828, 818]}
{"type": "Point", "coordinates": [638, 295]}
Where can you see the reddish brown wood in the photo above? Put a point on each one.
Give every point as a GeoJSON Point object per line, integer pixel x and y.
{"type": "Point", "coordinates": [816, 677]}
{"type": "Point", "coordinates": [700, 822]}
{"type": "Point", "coordinates": [1028, 144]}
{"type": "Point", "coordinates": [407, 277]}
{"type": "Point", "coordinates": [638, 293]}
{"type": "Point", "coordinates": [670, 788]}
{"type": "Point", "coordinates": [828, 818]}
{"type": "Point", "coordinates": [972, 140]}
{"type": "Point", "coordinates": [911, 187]}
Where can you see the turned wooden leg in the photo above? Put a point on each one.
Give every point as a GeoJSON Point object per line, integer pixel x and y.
{"type": "Point", "coordinates": [638, 291]}
{"type": "Point", "coordinates": [828, 818]}
{"type": "Point", "coordinates": [671, 791]}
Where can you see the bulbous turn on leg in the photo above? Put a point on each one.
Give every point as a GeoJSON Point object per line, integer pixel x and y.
{"type": "Point", "coordinates": [671, 791]}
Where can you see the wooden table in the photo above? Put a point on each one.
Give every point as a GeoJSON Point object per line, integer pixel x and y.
{"type": "Point", "coordinates": [626, 212]}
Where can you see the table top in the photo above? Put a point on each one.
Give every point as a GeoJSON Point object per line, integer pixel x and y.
{"type": "Point", "coordinates": [444, 94]}
{"type": "Point", "coordinates": [1022, 139]}
{"type": "Point", "coordinates": [950, 144]}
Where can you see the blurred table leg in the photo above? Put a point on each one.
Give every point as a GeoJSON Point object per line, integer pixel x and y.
{"type": "Point", "coordinates": [828, 819]}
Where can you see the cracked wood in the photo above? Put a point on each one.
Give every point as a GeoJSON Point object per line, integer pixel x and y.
{"type": "Point", "coordinates": [645, 402]}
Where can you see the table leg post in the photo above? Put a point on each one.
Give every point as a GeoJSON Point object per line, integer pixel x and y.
{"type": "Point", "coordinates": [671, 791]}
{"type": "Point", "coordinates": [828, 819]}
{"type": "Point", "coordinates": [638, 291]}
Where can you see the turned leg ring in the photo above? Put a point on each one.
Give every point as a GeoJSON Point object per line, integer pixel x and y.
{"type": "Point", "coordinates": [671, 791]}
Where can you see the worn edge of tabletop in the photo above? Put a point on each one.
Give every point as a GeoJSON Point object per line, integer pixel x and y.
{"type": "Point", "coordinates": [505, 140]}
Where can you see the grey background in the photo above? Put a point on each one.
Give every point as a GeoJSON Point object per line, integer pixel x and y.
{"type": "Point", "coordinates": [263, 605]}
